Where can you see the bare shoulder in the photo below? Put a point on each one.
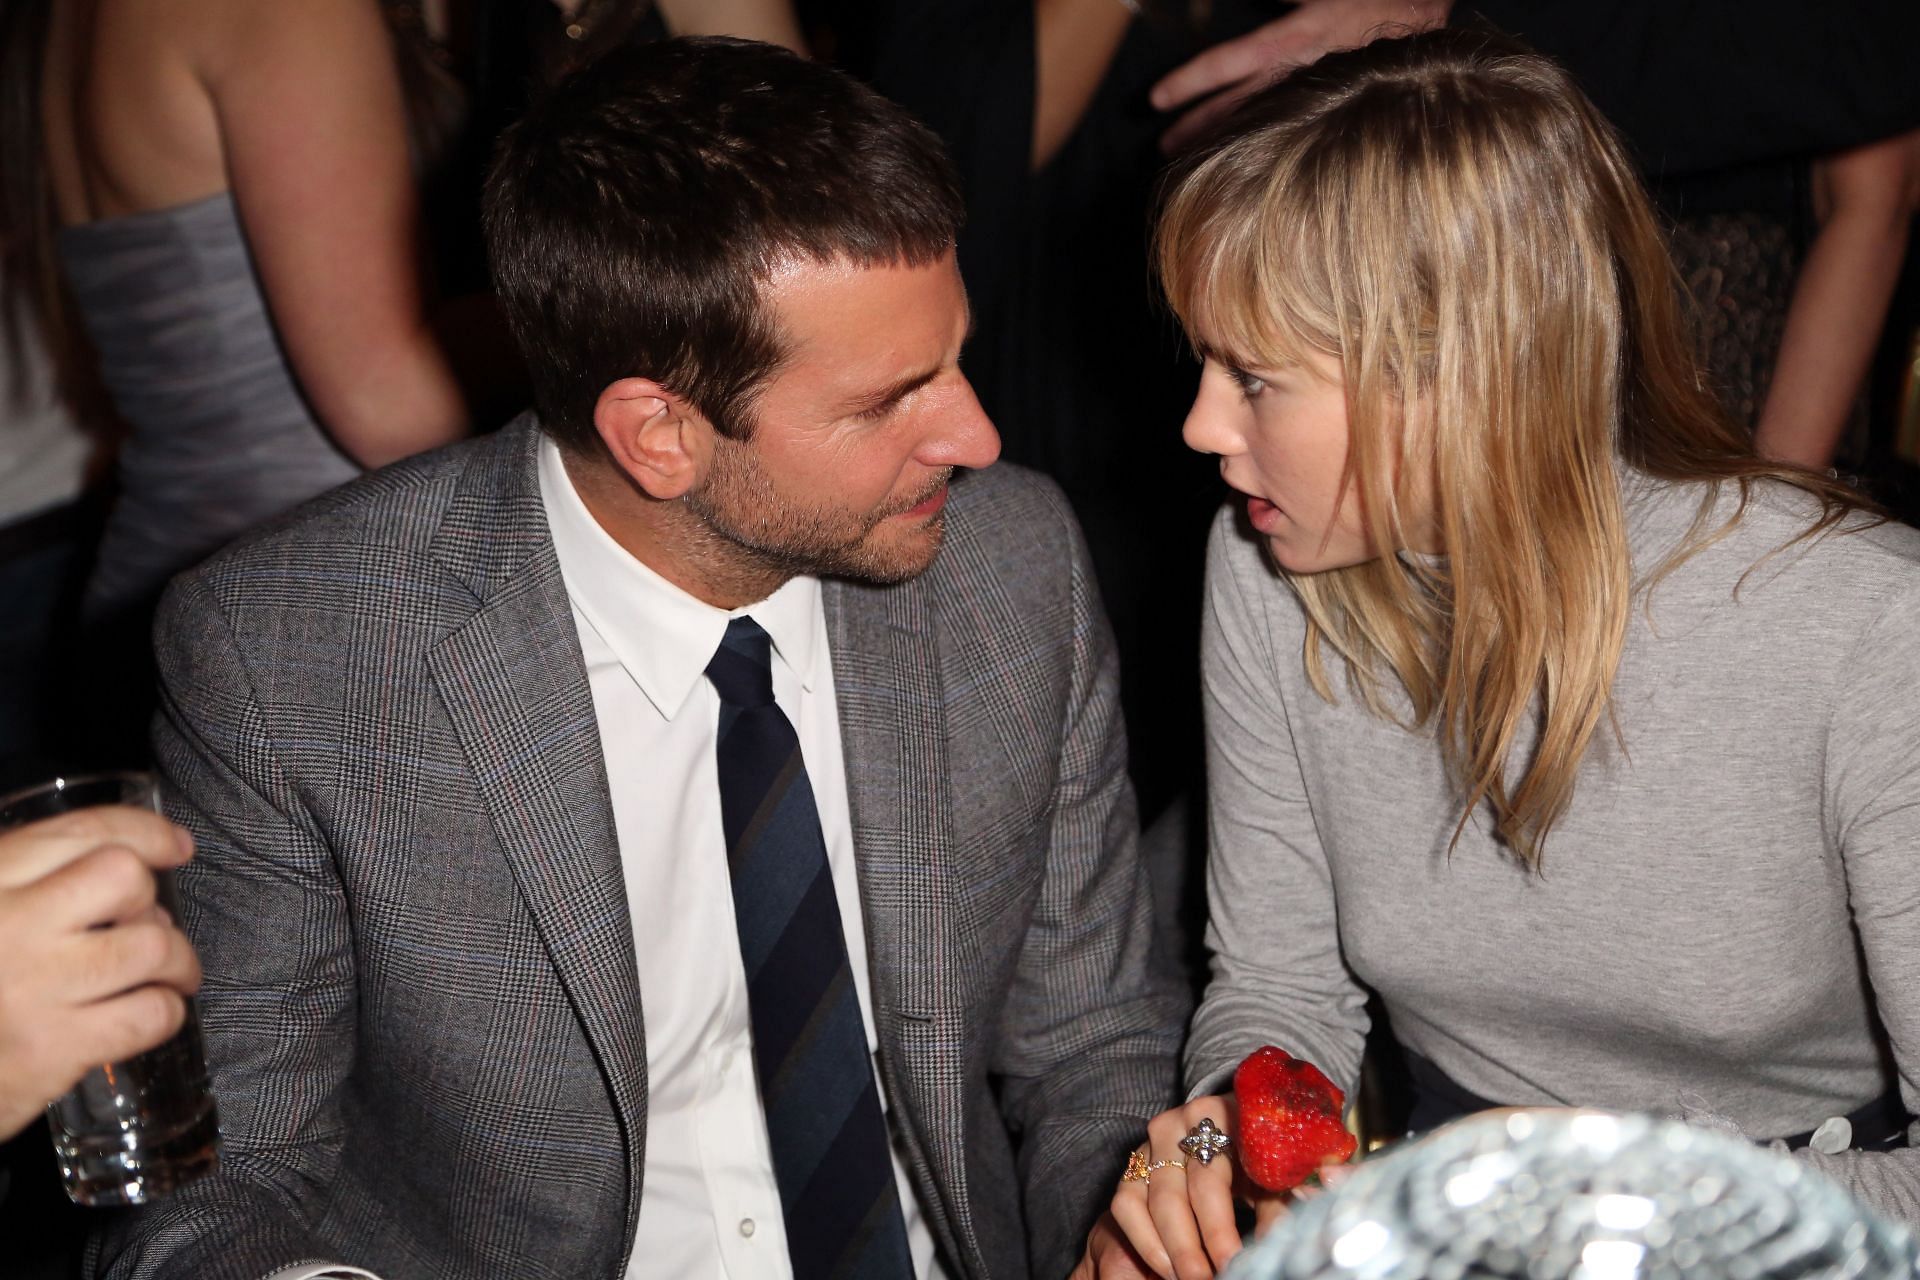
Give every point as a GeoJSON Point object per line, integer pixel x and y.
{"type": "Point", "coordinates": [129, 123]}
{"type": "Point", "coordinates": [141, 94]}
{"type": "Point", "coordinates": [236, 37]}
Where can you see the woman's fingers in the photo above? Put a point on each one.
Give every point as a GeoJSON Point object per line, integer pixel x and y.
{"type": "Point", "coordinates": [1332, 1175]}
{"type": "Point", "coordinates": [1267, 1210]}
{"type": "Point", "coordinates": [1179, 1218]}
{"type": "Point", "coordinates": [1131, 1214]}
{"type": "Point", "coordinates": [1173, 1218]}
{"type": "Point", "coordinates": [1210, 1188]}
{"type": "Point", "coordinates": [1191, 1203]}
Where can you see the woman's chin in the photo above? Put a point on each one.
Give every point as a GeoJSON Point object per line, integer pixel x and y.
{"type": "Point", "coordinates": [1286, 551]}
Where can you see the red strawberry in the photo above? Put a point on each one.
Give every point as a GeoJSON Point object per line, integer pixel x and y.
{"type": "Point", "coordinates": [1289, 1119]}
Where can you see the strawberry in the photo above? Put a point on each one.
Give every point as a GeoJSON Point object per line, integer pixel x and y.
{"type": "Point", "coordinates": [1289, 1119]}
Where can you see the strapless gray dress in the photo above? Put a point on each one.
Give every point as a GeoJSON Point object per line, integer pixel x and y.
{"type": "Point", "coordinates": [221, 438]}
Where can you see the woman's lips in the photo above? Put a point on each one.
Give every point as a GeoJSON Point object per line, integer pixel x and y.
{"type": "Point", "coordinates": [1263, 515]}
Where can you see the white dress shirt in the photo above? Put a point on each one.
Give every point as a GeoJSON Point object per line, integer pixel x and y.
{"type": "Point", "coordinates": [712, 1206]}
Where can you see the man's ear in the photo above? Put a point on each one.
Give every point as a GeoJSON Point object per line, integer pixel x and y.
{"type": "Point", "coordinates": [659, 440]}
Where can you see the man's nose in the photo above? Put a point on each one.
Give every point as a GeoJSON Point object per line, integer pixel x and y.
{"type": "Point", "coordinates": [962, 435]}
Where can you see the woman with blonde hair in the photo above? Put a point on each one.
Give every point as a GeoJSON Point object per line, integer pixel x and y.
{"type": "Point", "coordinates": [1535, 701]}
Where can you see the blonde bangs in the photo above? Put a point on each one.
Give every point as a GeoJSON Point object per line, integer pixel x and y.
{"type": "Point", "coordinates": [1231, 275]}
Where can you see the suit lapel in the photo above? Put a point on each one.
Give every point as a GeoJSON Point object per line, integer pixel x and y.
{"type": "Point", "coordinates": [515, 686]}
{"type": "Point", "coordinates": [886, 670]}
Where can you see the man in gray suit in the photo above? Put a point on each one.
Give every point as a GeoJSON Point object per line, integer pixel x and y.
{"type": "Point", "coordinates": [684, 835]}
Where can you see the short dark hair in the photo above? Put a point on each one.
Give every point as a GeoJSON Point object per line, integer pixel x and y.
{"type": "Point", "coordinates": [632, 215]}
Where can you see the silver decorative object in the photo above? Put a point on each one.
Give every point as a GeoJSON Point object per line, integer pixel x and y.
{"type": "Point", "coordinates": [1581, 1195]}
{"type": "Point", "coordinates": [1205, 1141]}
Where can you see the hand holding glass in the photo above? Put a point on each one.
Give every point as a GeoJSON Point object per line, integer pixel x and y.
{"type": "Point", "coordinates": [94, 969]}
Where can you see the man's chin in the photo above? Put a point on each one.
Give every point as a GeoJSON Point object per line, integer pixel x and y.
{"type": "Point", "coordinates": [893, 556]}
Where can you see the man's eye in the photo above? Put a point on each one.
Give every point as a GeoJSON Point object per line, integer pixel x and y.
{"type": "Point", "coordinates": [1249, 385]}
{"type": "Point", "coordinates": [879, 411]}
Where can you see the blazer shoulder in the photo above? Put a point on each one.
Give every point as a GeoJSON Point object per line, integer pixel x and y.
{"type": "Point", "coordinates": [1014, 578]}
{"type": "Point", "coordinates": [373, 549]}
{"type": "Point", "coordinates": [382, 525]}
{"type": "Point", "coordinates": [1013, 515]}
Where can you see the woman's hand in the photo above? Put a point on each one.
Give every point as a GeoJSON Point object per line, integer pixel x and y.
{"type": "Point", "coordinates": [1109, 1256]}
{"type": "Point", "coordinates": [1179, 1219]}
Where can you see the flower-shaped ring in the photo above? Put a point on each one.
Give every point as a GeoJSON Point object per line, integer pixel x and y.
{"type": "Point", "coordinates": [1205, 1141]}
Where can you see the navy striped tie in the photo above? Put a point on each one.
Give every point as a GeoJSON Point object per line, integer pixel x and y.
{"type": "Point", "coordinates": [830, 1151]}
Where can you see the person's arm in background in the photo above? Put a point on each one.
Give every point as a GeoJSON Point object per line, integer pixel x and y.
{"type": "Point", "coordinates": [92, 970]}
{"type": "Point", "coordinates": [1865, 201]}
{"type": "Point", "coordinates": [1213, 82]}
{"type": "Point", "coordinates": [312, 127]}
{"type": "Point", "coordinates": [1074, 43]}
{"type": "Point", "coordinates": [1694, 84]}
{"type": "Point", "coordinates": [770, 20]}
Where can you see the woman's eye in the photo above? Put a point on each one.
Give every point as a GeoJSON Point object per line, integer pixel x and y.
{"type": "Point", "coordinates": [1249, 385]}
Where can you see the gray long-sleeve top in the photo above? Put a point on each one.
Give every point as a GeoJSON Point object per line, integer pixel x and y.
{"type": "Point", "coordinates": [1736, 880]}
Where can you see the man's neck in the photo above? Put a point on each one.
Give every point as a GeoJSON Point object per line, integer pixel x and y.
{"type": "Point", "coordinates": [670, 540]}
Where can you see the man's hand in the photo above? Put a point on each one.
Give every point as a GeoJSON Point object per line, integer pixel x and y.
{"type": "Point", "coordinates": [92, 969]}
{"type": "Point", "coordinates": [1108, 1256]}
{"type": "Point", "coordinates": [1235, 68]}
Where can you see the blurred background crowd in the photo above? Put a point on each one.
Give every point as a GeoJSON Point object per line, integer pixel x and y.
{"type": "Point", "coordinates": [240, 264]}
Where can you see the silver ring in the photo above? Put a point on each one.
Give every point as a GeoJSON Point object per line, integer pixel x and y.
{"type": "Point", "coordinates": [1205, 1141]}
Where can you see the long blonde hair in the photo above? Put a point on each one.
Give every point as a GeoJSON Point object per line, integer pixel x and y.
{"type": "Point", "coordinates": [1448, 216]}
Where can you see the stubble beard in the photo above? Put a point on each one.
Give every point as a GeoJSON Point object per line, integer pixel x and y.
{"type": "Point", "coordinates": [751, 535]}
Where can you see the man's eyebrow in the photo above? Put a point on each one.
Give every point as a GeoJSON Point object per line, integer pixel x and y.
{"type": "Point", "coordinates": [894, 392]}
{"type": "Point", "coordinates": [899, 390]}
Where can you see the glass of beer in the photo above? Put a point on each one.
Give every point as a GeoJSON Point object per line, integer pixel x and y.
{"type": "Point", "coordinates": [132, 1131]}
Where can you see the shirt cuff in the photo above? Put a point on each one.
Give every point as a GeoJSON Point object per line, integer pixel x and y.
{"type": "Point", "coordinates": [321, 1271]}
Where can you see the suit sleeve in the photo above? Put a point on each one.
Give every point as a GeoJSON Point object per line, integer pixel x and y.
{"type": "Point", "coordinates": [267, 914]}
{"type": "Point", "coordinates": [1873, 801]}
{"type": "Point", "coordinates": [1698, 85]}
{"type": "Point", "coordinates": [1278, 974]}
{"type": "Point", "coordinates": [1090, 1032]}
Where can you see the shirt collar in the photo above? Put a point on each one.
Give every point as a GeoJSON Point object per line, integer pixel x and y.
{"type": "Point", "coordinates": [662, 636]}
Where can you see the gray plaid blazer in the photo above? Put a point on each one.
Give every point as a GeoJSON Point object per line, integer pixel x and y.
{"type": "Point", "coordinates": [421, 1002]}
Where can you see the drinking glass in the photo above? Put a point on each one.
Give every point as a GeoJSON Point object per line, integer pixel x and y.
{"type": "Point", "coordinates": [130, 1131]}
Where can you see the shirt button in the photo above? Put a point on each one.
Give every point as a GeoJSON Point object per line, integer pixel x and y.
{"type": "Point", "coordinates": [746, 1227]}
